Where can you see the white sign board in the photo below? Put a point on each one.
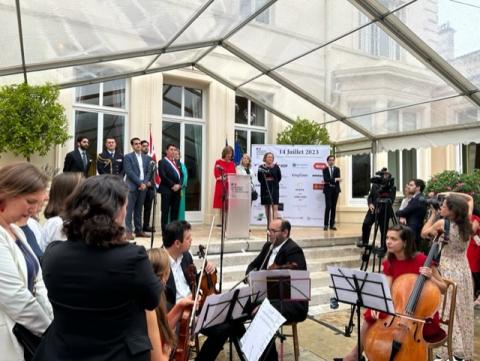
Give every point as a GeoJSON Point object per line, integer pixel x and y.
{"type": "Point", "coordinates": [301, 187]}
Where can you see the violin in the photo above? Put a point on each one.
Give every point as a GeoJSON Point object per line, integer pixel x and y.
{"type": "Point", "coordinates": [182, 348]}
{"type": "Point", "coordinates": [208, 282]}
{"type": "Point", "coordinates": [400, 337]}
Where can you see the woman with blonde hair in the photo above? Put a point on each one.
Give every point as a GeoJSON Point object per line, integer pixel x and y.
{"type": "Point", "coordinates": [160, 323]}
{"type": "Point", "coordinates": [23, 296]}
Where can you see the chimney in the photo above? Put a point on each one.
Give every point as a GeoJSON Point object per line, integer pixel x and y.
{"type": "Point", "coordinates": [446, 46]}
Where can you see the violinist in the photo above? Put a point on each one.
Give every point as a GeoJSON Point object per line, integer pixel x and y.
{"type": "Point", "coordinates": [177, 240]}
{"type": "Point", "coordinates": [280, 251]}
{"type": "Point", "coordinates": [402, 258]}
{"type": "Point", "coordinates": [456, 209]}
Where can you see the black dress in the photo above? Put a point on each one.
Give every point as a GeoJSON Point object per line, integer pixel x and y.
{"type": "Point", "coordinates": [269, 179]}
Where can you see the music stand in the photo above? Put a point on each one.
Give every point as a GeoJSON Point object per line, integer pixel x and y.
{"type": "Point", "coordinates": [361, 289]}
{"type": "Point", "coordinates": [227, 307]}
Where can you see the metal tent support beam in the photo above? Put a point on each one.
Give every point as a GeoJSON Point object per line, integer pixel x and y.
{"type": "Point", "coordinates": [295, 89]}
{"type": "Point", "coordinates": [20, 36]}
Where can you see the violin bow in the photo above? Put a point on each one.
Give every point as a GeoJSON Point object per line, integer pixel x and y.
{"type": "Point", "coordinates": [197, 293]}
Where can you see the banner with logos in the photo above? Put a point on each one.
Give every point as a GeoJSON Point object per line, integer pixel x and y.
{"type": "Point", "coordinates": [301, 187]}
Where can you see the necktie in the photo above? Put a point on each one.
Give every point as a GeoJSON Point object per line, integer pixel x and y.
{"type": "Point", "coordinates": [331, 172]}
{"type": "Point", "coordinates": [84, 158]}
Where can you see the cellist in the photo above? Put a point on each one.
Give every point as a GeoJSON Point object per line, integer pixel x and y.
{"type": "Point", "coordinates": [177, 240]}
{"type": "Point", "coordinates": [402, 258]}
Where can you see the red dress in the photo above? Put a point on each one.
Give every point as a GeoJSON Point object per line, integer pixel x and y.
{"type": "Point", "coordinates": [473, 251]}
{"type": "Point", "coordinates": [395, 268]}
{"type": "Point", "coordinates": [228, 168]}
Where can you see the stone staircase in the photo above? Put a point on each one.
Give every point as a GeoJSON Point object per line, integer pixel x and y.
{"type": "Point", "coordinates": [319, 253]}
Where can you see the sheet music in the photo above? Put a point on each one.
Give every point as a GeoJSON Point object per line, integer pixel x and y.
{"type": "Point", "coordinates": [261, 330]}
{"type": "Point", "coordinates": [299, 288]}
{"type": "Point", "coordinates": [217, 307]}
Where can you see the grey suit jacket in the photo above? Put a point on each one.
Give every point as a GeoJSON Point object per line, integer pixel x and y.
{"type": "Point", "coordinates": [132, 170]}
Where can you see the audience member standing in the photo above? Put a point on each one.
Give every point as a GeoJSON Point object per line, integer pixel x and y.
{"type": "Point", "coordinates": [150, 192]}
{"type": "Point", "coordinates": [23, 296]}
{"type": "Point", "coordinates": [110, 161]}
{"type": "Point", "coordinates": [62, 187]}
{"type": "Point", "coordinates": [457, 209]}
{"type": "Point", "coordinates": [415, 211]}
{"type": "Point", "coordinates": [183, 169]}
{"type": "Point", "coordinates": [222, 168]}
{"type": "Point", "coordinates": [245, 168]}
{"type": "Point", "coordinates": [269, 176]}
{"type": "Point", "coordinates": [331, 189]}
{"type": "Point", "coordinates": [170, 185]}
{"type": "Point", "coordinates": [137, 172]}
{"type": "Point", "coordinates": [98, 283]}
{"type": "Point", "coordinates": [78, 160]}
{"type": "Point", "coordinates": [473, 256]}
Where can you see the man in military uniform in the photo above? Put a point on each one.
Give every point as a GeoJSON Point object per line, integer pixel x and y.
{"type": "Point", "coordinates": [110, 161]}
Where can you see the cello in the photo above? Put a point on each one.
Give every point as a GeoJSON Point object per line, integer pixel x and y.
{"type": "Point", "coordinates": [400, 337]}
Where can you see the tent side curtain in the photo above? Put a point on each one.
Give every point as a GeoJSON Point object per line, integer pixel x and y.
{"type": "Point", "coordinates": [351, 148]}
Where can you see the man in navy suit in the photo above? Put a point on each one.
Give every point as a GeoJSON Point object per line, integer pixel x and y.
{"type": "Point", "coordinates": [110, 161]}
{"type": "Point", "coordinates": [78, 160]}
{"type": "Point", "coordinates": [137, 171]}
{"type": "Point", "coordinates": [171, 178]}
{"type": "Point", "coordinates": [331, 189]}
{"type": "Point", "coordinates": [414, 213]}
{"type": "Point", "coordinates": [150, 194]}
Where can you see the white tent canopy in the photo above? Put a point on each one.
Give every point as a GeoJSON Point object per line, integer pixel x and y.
{"type": "Point", "coordinates": [391, 74]}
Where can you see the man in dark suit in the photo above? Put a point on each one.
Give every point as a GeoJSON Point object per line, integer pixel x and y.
{"type": "Point", "coordinates": [78, 160]}
{"type": "Point", "coordinates": [414, 213]}
{"type": "Point", "coordinates": [170, 185]}
{"type": "Point", "coordinates": [177, 239]}
{"type": "Point", "coordinates": [331, 189]}
{"type": "Point", "coordinates": [137, 172]}
{"type": "Point", "coordinates": [110, 161]}
{"type": "Point", "coordinates": [147, 206]}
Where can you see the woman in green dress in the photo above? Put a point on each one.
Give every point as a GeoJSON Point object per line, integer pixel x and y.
{"type": "Point", "coordinates": [183, 169]}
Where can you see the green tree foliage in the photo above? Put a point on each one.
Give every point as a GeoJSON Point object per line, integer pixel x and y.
{"type": "Point", "coordinates": [31, 119]}
{"type": "Point", "coordinates": [304, 132]}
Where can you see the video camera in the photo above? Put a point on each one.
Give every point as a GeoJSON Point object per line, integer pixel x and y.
{"type": "Point", "coordinates": [436, 201]}
{"type": "Point", "coordinates": [384, 179]}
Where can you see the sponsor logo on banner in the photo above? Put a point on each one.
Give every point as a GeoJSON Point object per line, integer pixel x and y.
{"type": "Point", "coordinates": [299, 175]}
{"type": "Point", "coordinates": [317, 186]}
{"type": "Point", "coordinates": [319, 165]}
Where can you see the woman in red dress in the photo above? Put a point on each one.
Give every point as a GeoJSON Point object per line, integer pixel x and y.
{"type": "Point", "coordinates": [473, 256]}
{"type": "Point", "coordinates": [402, 258]}
{"type": "Point", "coordinates": [222, 167]}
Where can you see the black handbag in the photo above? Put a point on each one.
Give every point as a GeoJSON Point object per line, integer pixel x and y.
{"type": "Point", "coordinates": [28, 340]}
{"type": "Point", "coordinates": [254, 195]}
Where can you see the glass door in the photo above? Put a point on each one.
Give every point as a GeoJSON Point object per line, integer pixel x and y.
{"type": "Point", "coordinates": [189, 137]}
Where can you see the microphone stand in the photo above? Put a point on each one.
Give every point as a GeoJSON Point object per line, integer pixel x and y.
{"type": "Point", "coordinates": [152, 181]}
{"type": "Point", "coordinates": [222, 236]}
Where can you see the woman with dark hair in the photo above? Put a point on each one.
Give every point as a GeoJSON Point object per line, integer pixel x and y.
{"type": "Point", "coordinates": [457, 209]}
{"type": "Point", "coordinates": [62, 187]}
{"type": "Point", "coordinates": [98, 283]}
{"type": "Point", "coordinates": [269, 176]}
{"type": "Point", "coordinates": [160, 323]}
{"type": "Point", "coordinates": [223, 167]}
{"type": "Point", "coordinates": [402, 258]}
{"type": "Point", "coordinates": [23, 296]}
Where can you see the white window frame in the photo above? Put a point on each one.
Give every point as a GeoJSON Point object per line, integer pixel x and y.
{"type": "Point", "coordinates": [248, 127]}
{"type": "Point", "coordinates": [356, 202]}
{"type": "Point", "coordinates": [400, 173]}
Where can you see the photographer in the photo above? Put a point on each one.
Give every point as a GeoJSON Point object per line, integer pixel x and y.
{"type": "Point", "coordinates": [382, 190]}
{"type": "Point", "coordinates": [414, 213]}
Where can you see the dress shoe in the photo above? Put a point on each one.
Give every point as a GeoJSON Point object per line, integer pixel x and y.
{"type": "Point", "coordinates": [141, 234]}
{"type": "Point", "coordinates": [147, 229]}
{"type": "Point", "coordinates": [325, 228]}
{"type": "Point", "coordinates": [333, 228]}
{"type": "Point", "coordinates": [362, 244]}
{"type": "Point", "coordinates": [129, 236]}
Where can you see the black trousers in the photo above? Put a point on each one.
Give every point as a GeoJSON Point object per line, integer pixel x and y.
{"type": "Point", "coordinates": [170, 205]}
{"type": "Point", "coordinates": [147, 207]}
{"type": "Point", "coordinates": [331, 197]}
{"type": "Point", "coordinates": [369, 221]}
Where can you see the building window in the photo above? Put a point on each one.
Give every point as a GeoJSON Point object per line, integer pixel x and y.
{"type": "Point", "coordinates": [100, 113]}
{"type": "Point", "coordinates": [249, 124]}
{"type": "Point", "coordinates": [248, 7]}
{"type": "Point", "coordinates": [470, 157]}
{"type": "Point", "coordinates": [183, 125]}
{"type": "Point", "coordinates": [470, 115]}
{"type": "Point", "coordinates": [403, 166]}
{"type": "Point", "coordinates": [361, 172]}
{"type": "Point", "coordinates": [400, 120]}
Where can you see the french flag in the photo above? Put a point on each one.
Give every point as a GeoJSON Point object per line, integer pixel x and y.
{"type": "Point", "coordinates": [151, 153]}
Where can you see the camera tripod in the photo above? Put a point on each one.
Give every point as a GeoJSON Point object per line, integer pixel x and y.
{"type": "Point", "coordinates": [383, 214]}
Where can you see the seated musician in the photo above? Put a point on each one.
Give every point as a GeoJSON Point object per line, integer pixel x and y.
{"type": "Point", "coordinates": [177, 240]}
{"type": "Point", "coordinates": [281, 251]}
{"type": "Point", "coordinates": [402, 258]}
{"type": "Point", "coordinates": [161, 324]}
